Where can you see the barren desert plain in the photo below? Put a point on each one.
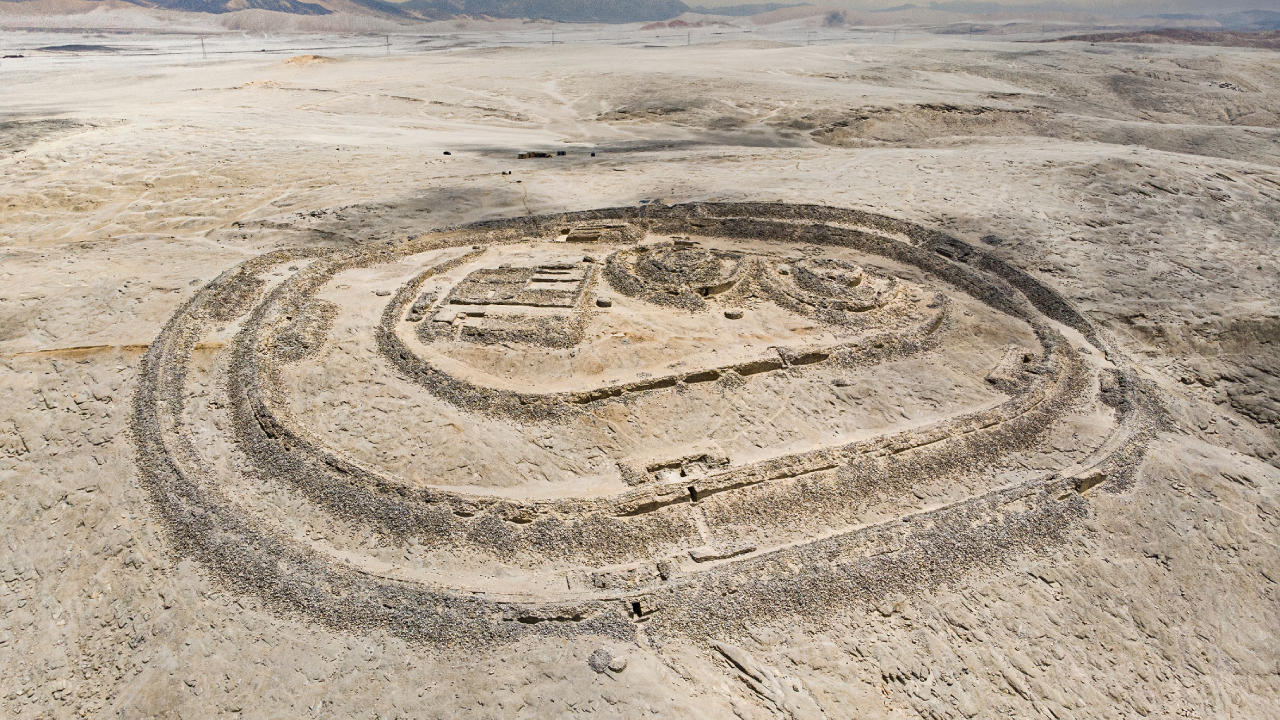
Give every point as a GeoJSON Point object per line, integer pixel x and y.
{"type": "Point", "coordinates": [865, 376]}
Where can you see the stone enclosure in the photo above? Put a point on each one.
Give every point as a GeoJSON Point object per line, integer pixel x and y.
{"type": "Point", "coordinates": [638, 375]}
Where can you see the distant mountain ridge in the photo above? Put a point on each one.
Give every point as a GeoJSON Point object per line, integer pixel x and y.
{"type": "Point", "coordinates": [296, 7]}
{"type": "Point", "coordinates": [595, 11]}
{"type": "Point", "coordinates": [743, 10]}
{"type": "Point", "coordinates": [602, 11]}
{"type": "Point", "coordinates": [292, 7]}
{"type": "Point", "coordinates": [971, 7]}
{"type": "Point", "coordinates": [1243, 20]}
{"type": "Point", "coordinates": [1267, 40]}
{"type": "Point", "coordinates": [647, 11]}
{"type": "Point", "coordinates": [1248, 20]}
{"type": "Point", "coordinates": [605, 11]}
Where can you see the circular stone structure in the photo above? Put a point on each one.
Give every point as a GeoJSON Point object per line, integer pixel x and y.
{"type": "Point", "coordinates": [449, 439]}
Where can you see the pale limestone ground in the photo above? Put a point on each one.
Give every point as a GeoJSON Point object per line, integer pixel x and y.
{"type": "Point", "coordinates": [167, 172]}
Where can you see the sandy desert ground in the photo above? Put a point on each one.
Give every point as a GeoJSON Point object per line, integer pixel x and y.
{"type": "Point", "coordinates": [263, 457]}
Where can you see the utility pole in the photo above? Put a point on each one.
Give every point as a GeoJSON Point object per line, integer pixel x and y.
{"type": "Point", "coordinates": [203, 54]}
